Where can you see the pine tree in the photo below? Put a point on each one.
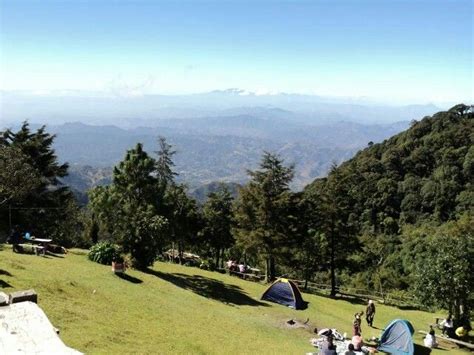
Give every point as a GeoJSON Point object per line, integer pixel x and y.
{"type": "Point", "coordinates": [47, 206]}
{"type": "Point", "coordinates": [164, 164]}
{"type": "Point", "coordinates": [127, 207]}
{"type": "Point", "coordinates": [218, 222]}
{"type": "Point", "coordinates": [262, 210]}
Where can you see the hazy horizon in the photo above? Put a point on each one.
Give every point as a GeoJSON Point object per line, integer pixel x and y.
{"type": "Point", "coordinates": [395, 52]}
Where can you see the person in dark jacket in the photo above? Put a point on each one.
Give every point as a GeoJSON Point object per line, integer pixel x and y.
{"type": "Point", "coordinates": [370, 313]}
{"type": "Point", "coordinates": [15, 239]}
{"type": "Point", "coordinates": [328, 347]}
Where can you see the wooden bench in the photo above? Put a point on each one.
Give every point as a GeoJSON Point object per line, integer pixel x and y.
{"type": "Point", "coordinates": [456, 341]}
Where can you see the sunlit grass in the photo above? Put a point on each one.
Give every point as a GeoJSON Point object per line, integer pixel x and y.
{"type": "Point", "coordinates": [175, 309]}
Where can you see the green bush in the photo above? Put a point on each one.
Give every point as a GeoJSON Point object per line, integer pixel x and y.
{"type": "Point", "coordinates": [104, 253]}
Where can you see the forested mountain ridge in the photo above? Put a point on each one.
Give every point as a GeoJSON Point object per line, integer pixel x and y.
{"type": "Point", "coordinates": [399, 215]}
{"type": "Point", "coordinates": [425, 173]}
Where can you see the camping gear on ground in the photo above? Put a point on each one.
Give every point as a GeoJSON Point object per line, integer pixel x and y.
{"type": "Point", "coordinates": [285, 292]}
{"type": "Point", "coordinates": [341, 346]}
{"type": "Point", "coordinates": [397, 338]}
{"type": "Point", "coordinates": [325, 331]}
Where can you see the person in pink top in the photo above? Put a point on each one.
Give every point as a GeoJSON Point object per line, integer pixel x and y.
{"type": "Point", "coordinates": [357, 342]}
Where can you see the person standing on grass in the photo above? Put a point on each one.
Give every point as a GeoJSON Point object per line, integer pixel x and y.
{"type": "Point", "coordinates": [15, 239]}
{"type": "Point", "coordinates": [370, 313]}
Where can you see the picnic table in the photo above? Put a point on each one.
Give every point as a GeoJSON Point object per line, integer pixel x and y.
{"type": "Point", "coordinates": [254, 271]}
{"type": "Point", "coordinates": [40, 245]}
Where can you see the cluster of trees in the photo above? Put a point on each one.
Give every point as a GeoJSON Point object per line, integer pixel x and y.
{"type": "Point", "coordinates": [31, 193]}
{"type": "Point", "coordinates": [398, 217]}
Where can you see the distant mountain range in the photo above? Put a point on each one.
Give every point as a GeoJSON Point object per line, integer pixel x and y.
{"type": "Point", "coordinates": [211, 149]}
{"type": "Point", "coordinates": [217, 135]}
{"type": "Point", "coordinates": [128, 110]}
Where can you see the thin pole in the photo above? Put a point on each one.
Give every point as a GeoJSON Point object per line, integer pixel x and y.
{"type": "Point", "coordinates": [10, 215]}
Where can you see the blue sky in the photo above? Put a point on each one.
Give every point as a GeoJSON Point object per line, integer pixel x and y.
{"type": "Point", "coordinates": [390, 50]}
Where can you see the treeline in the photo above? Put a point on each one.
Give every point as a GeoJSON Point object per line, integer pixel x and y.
{"type": "Point", "coordinates": [397, 218]}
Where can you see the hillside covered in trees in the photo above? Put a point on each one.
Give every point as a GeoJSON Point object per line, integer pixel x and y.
{"type": "Point", "coordinates": [397, 219]}
{"type": "Point", "coordinates": [400, 213]}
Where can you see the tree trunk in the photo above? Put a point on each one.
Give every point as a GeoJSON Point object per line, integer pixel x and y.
{"type": "Point", "coordinates": [267, 269]}
{"type": "Point", "coordinates": [333, 266]}
{"type": "Point", "coordinates": [272, 268]}
{"type": "Point", "coordinates": [222, 258]}
{"type": "Point", "coordinates": [457, 312]}
{"type": "Point", "coordinates": [218, 252]}
{"type": "Point", "coordinates": [180, 252]}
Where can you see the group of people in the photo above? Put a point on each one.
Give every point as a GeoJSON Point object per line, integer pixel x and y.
{"type": "Point", "coordinates": [448, 328]}
{"type": "Point", "coordinates": [357, 324]}
{"type": "Point", "coordinates": [329, 348]}
{"type": "Point", "coordinates": [233, 266]}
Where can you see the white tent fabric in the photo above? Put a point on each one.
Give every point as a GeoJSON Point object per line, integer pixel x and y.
{"type": "Point", "coordinates": [25, 329]}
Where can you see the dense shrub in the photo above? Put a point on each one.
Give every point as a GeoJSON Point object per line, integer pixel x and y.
{"type": "Point", "coordinates": [104, 253]}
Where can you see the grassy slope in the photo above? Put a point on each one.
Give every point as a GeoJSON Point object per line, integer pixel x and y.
{"type": "Point", "coordinates": [174, 309]}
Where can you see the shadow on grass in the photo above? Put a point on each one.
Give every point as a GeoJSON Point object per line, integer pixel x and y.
{"type": "Point", "coordinates": [4, 284]}
{"type": "Point", "coordinates": [361, 300]}
{"type": "Point", "coordinates": [5, 272]}
{"type": "Point", "coordinates": [352, 300]}
{"type": "Point", "coordinates": [129, 278]}
{"type": "Point", "coordinates": [421, 350]}
{"type": "Point", "coordinates": [209, 288]}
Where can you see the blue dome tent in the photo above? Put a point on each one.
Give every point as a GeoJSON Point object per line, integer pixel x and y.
{"type": "Point", "coordinates": [285, 292]}
{"type": "Point", "coordinates": [397, 338]}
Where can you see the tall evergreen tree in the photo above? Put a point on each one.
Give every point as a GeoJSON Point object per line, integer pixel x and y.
{"type": "Point", "coordinates": [127, 207]}
{"type": "Point", "coordinates": [335, 219]}
{"type": "Point", "coordinates": [218, 221]}
{"type": "Point", "coordinates": [262, 210]}
{"type": "Point", "coordinates": [184, 220]}
{"type": "Point", "coordinates": [45, 202]}
{"type": "Point", "coordinates": [164, 164]}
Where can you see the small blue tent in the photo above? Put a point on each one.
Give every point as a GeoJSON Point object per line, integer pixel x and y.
{"type": "Point", "coordinates": [285, 292]}
{"type": "Point", "coordinates": [397, 338]}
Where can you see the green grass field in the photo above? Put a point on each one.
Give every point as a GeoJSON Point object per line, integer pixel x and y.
{"type": "Point", "coordinates": [175, 309]}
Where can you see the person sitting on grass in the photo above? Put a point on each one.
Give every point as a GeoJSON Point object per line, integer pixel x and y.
{"type": "Point", "coordinates": [350, 350]}
{"type": "Point", "coordinates": [328, 347]}
{"type": "Point", "coordinates": [430, 339]}
{"type": "Point", "coordinates": [357, 342]}
{"type": "Point", "coordinates": [462, 332]}
{"type": "Point", "coordinates": [448, 326]}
